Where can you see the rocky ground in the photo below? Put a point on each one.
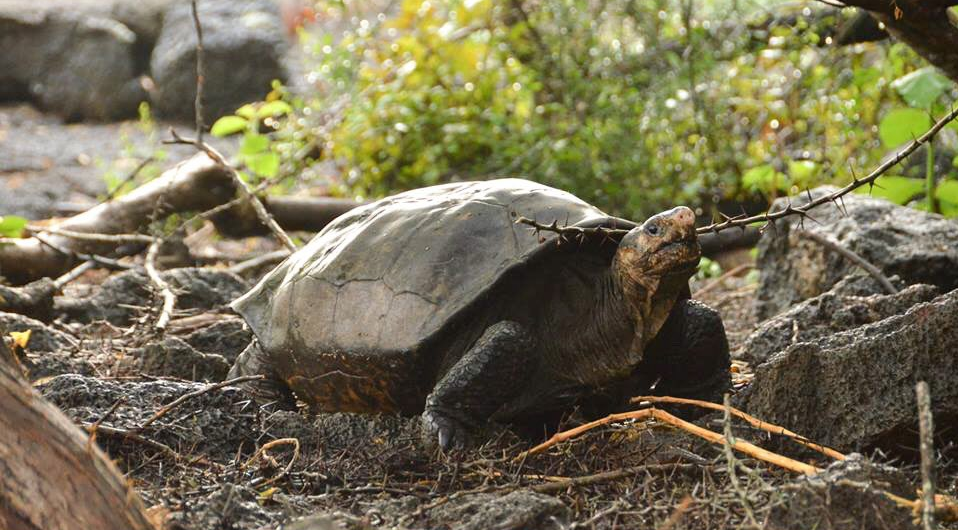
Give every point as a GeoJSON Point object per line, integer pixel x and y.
{"type": "Point", "coordinates": [838, 367]}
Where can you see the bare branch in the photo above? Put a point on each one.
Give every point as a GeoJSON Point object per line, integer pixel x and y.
{"type": "Point", "coordinates": [853, 257]}
{"type": "Point", "coordinates": [169, 297]}
{"type": "Point", "coordinates": [200, 72]}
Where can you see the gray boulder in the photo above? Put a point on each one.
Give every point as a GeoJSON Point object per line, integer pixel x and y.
{"type": "Point", "coordinates": [173, 357]}
{"type": "Point", "coordinates": [848, 495]}
{"type": "Point", "coordinates": [916, 246]}
{"type": "Point", "coordinates": [856, 389]}
{"type": "Point", "coordinates": [854, 301]}
{"type": "Point", "coordinates": [76, 59]}
{"type": "Point", "coordinates": [244, 43]}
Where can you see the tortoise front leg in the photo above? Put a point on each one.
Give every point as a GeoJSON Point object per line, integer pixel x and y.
{"type": "Point", "coordinates": [490, 374]}
{"type": "Point", "coordinates": [690, 354]}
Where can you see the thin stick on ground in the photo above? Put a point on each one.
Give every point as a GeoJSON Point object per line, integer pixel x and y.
{"type": "Point", "coordinates": [926, 430]}
{"type": "Point", "coordinates": [853, 257]}
{"type": "Point", "coordinates": [648, 414]}
{"type": "Point", "coordinates": [752, 420]}
{"type": "Point", "coordinates": [90, 236]}
{"type": "Point", "coordinates": [262, 450]}
{"type": "Point", "coordinates": [185, 397]}
{"type": "Point", "coordinates": [133, 436]}
{"type": "Point", "coordinates": [73, 274]}
{"type": "Point", "coordinates": [269, 258]}
{"type": "Point", "coordinates": [169, 297]}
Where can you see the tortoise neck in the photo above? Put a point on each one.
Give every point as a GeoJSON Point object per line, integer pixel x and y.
{"type": "Point", "coordinates": [633, 297]}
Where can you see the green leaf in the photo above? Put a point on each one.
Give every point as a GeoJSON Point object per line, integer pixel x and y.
{"type": "Point", "coordinates": [263, 164]}
{"type": "Point", "coordinates": [764, 179]}
{"type": "Point", "coordinates": [12, 225]}
{"type": "Point", "coordinates": [947, 195]}
{"type": "Point", "coordinates": [898, 190]}
{"type": "Point", "coordinates": [274, 108]}
{"type": "Point", "coordinates": [903, 125]}
{"type": "Point", "coordinates": [247, 111]}
{"type": "Point", "coordinates": [253, 143]}
{"type": "Point", "coordinates": [922, 87]}
{"type": "Point", "coordinates": [228, 125]}
{"type": "Point", "coordinates": [802, 172]}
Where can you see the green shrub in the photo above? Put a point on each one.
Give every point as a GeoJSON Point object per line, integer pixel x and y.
{"type": "Point", "coordinates": [634, 106]}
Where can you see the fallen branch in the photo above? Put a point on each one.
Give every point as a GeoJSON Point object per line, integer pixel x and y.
{"type": "Point", "coordinates": [652, 413]}
{"type": "Point", "coordinates": [195, 184]}
{"type": "Point", "coordinates": [752, 420]}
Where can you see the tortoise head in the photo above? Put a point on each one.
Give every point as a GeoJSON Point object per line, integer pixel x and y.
{"type": "Point", "coordinates": [654, 262]}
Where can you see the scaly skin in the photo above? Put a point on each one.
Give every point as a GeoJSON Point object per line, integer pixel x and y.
{"type": "Point", "coordinates": [649, 274]}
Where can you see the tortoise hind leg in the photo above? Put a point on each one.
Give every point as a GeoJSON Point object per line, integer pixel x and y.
{"type": "Point", "coordinates": [271, 390]}
{"type": "Point", "coordinates": [490, 374]}
{"type": "Point", "coordinates": [690, 355]}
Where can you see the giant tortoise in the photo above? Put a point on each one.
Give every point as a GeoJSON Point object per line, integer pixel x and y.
{"type": "Point", "coordinates": [436, 302]}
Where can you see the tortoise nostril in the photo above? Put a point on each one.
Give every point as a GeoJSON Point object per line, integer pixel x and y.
{"type": "Point", "coordinates": [684, 216]}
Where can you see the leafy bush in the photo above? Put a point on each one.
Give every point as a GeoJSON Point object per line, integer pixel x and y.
{"type": "Point", "coordinates": [634, 106]}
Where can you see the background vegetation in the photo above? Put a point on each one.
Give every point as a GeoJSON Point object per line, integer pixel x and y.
{"type": "Point", "coordinates": [633, 106]}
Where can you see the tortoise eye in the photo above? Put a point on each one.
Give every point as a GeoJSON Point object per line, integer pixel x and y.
{"type": "Point", "coordinates": [653, 229]}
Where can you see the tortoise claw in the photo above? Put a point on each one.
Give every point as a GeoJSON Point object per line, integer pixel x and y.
{"type": "Point", "coordinates": [441, 428]}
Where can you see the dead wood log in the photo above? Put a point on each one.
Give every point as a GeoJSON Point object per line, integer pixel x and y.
{"type": "Point", "coordinates": [307, 214]}
{"type": "Point", "coordinates": [34, 300]}
{"type": "Point", "coordinates": [51, 477]}
{"type": "Point", "coordinates": [197, 184]}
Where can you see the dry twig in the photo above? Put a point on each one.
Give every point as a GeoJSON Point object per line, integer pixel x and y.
{"type": "Point", "coordinates": [262, 450]}
{"type": "Point", "coordinates": [169, 297]}
{"type": "Point", "coordinates": [853, 257]}
{"type": "Point", "coordinates": [215, 155]}
{"type": "Point", "coordinates": [752, 420]}
{"type": "Point", "coordinates": [182, 399]}
{"type": "Point", "coordinates": [926, 432]}
{"type": "Point", "coordinates": [652, 413]}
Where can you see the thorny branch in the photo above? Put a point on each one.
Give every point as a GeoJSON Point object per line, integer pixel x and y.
{"type": "Point", "coordinates": [742, 221]}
